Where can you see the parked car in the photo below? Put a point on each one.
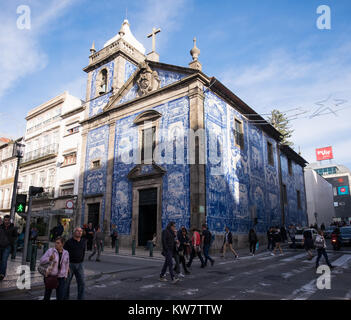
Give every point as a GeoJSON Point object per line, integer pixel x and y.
{"type": "Point", "coordinates": [345, 236]}
{"type": "Point", "coordinates": [299, 236]}
{"type": "Point", "coordinates": [328, 231]}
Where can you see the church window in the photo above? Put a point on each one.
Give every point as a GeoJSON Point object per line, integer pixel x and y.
{"type": "Point", "coordinates": [238, 134]}
{"type": "Point", "coordinates": [102, 82]}
{"type": "Point", "coordinates": [96, 164]}
{"type": "Point", "coordinates": [148, 144]}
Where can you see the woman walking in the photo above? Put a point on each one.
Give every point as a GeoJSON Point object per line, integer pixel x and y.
{"type": "Point", "coordinates": [183, 245]}
{"type": "Point", "coordinates": [57, 271]}
{"type": "Point", "coordinates": [253, 241]}
{"type": "Point", "coordinates": [321, 247]}
{"type": "Point", "coordinates": [277, 238]}
{"type": "Point", "coordinates": [228, 242]}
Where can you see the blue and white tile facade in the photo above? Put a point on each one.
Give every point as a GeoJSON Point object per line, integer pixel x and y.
{"type": "Point", "coordinates": [169, 77]}
{"type": "Point", "coordinates": [293, 183]}
{"type": "Point", "coordinates": [240, 184]}
{"type": "Point", "coordinates": [95, 179]}
{"type": "Point", "coordinates": [129, 69]}
{"type": "Point", "coordinates": [176, 180]}
{"type": "Point", "coordinates": [97, 104]}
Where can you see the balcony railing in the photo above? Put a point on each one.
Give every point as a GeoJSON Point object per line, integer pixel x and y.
{"type": "Point", "coordinates": [41, 152]}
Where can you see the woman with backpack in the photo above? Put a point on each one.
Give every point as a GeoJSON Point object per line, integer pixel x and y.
{"type": "Point", "coordinates": [321, 249]}
{"type": "Point", "coordinates": [54, 265]}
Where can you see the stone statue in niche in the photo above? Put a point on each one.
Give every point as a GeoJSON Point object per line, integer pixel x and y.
{"type": "Point", "coordinates": [148, 80]}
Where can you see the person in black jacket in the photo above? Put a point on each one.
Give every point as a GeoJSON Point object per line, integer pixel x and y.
{"type": "Point", "coordinates": [228, 242]}
{"type": "Point", "coordinates": [283, 234]}
{"type": "Point", "coordinates": [253, 241]}
{"type": "Point", "coordinates": [183, 245]}
{"type": "Point", "coordinates": [76, 249]}
{"type": "Point", "coordinates": [168, 247]}
{"type": "Point", "coordinates": [277, 238]}
{"type": "Point", "coordinates": [8, 235]}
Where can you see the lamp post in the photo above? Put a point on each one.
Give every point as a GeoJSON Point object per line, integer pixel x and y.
{"type": "Point", "coordinates": [18, 153]}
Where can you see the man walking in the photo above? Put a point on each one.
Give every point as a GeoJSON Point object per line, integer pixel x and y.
{"type": "Point", "coordinates": [206, 243]}
{"type": "Point", "coordinates": [292, 233]}
{"type": "Point", "coordinates": [168, 247]}
{"type": "Point", "coordinates": [114, 236]}
{"type": "Point", "coordinates": [90, 236]}
{"type": "Point", "coordinates": [321, 249]}
{"type": "Point", "coordinates": [97, 242]}
{"type": "Point", "coordinates": [196, 249]}
{"type": "Point", "coordinates": [8, 235]}
{"type": "Point", "coordinates": [228, 242]}
{"type": "Point", "coordinates": [76, 249]}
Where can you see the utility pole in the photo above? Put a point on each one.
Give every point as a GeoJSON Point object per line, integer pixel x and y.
{"type": "Point", "coordinates": [32, 192]}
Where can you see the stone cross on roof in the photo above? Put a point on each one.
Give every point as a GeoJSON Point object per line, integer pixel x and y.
{"type": "Point", "coordinates": [153, 35]}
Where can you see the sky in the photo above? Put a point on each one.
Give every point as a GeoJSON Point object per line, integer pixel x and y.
{"type": "Point", "coordinates": [270, 53]}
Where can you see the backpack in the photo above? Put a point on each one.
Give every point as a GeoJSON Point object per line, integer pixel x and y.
{"type": "Point", "coordinates": [319, 242]}
{"type": "Point", "coordinates": [4, 240]}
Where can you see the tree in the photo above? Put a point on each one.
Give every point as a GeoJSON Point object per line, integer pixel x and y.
{"type": "Point", "coordinates": [280, 122]}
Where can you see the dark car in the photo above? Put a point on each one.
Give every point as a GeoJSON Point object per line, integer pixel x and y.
{"type": "Point", "coordinates": [345, 236]}
{"type": "Point", "coordinates": [328, 231]}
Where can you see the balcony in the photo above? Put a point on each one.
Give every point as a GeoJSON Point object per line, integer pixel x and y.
{"type": "Point", "coordinates": [51, 149]}
{"type": "Point", "coordinates": [49, 193]}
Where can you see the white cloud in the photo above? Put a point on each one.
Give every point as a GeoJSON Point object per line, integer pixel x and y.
{"type": "Point", "coordinates": [285, 81]}
{"type": "Point", "coordinates": [20, 53]}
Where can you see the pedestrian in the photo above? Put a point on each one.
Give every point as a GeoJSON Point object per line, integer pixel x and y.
{"type": "Point", "coordinates": [292, 234]}
{"type": "Point", "coordinates": [114, 235]}
{"type": "Point", "coordinates": [33, 234]}
{"type": "Point", "coordinates": [154, 240]}
{"type": "Point", "coordinates": [59, 259]}
{"type": "Point", "coordinates": [277, 238]}
{"type": "Point", "coordinates": [283, 234]}
{"type": "Point", "coordinates": [196, 248]}
{"type": "Point", "coordinates": [183, 245]}
{"type": "Point", "coordinates": [97, 243]}
{"type": "Point", "coordinates": [308, 243]}
{"type": "Point", "coordinates": [0, 221]}
{"type": "Point", "coordinates": [270, 245]}
{"type": "Point", "coordinates": [321, 247]}
{"type": "Point", "coordinates": [90, 236]}
{"type": "Point", "coordinates": [228, 242]}
{"type": "Point", "coordinates": [168, 247]}
{"type": "Point", "coordinates": [252, 241]}
{"type": "Point", "coordinates": [76, 249]}
{"type": "Point", "coordinates": [8, 236]}
{"type": "Point", "coordinates": [175, 254]}
{"type": "Point", "coordinates": [323, 227]}
{"type": "Point", "coordinates": [206, 240]}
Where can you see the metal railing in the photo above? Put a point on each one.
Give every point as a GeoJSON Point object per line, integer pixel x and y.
{"type": "Point", "coordinates": [41, 152]}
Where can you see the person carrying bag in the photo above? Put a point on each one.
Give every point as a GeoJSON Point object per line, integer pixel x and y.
{"type": "Point", "coordinates": [54, 266]}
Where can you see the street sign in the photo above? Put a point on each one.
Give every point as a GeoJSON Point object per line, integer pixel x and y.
{"type": "Point", "coordinates": [69, 204]}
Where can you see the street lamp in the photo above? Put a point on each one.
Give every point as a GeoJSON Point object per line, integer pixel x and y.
{"type": "Point", "coordinates": [18, 150]}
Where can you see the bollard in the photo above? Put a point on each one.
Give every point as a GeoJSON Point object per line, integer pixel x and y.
{"type": "Point", "coordinates": [151, 248]}
{"type": "Point", "coordinates": [33, 259]}
{"type": "Point", "coordinates": [45, 247]}
{"type": "Point", "coordinates": [14, 250]}
{"type": "Point", "coordinates": [133, 247]}
{"type": "Point", "coordinates": [117, 247]}
{"type": "Point", "coordinates": [29, 251]}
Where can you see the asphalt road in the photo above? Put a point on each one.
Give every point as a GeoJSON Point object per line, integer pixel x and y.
{"type": "Point", "coordinates": [281, 277]}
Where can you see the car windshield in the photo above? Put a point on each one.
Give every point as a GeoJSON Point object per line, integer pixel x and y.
{"type": "Point", "coordinates": [345, 230]}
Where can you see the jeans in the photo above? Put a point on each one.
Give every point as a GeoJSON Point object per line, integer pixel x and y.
{"type": "Point", "coordinates": [192, 256]}
{"type": "Point", "coordinates": [207, 257]}
{"type": "Point", "coordinates": [177, 265]}
{"type": "Point", "coordinates": [60, 291]}
{"type": "Point", "coordinates": [168, 263]}
{"type": "Point", "coordinates": [323, 252]}
{"type": "Point", "coordinates": [77, 270]}
{"type": "Point", "coordinates": [270, 245]}
{"type": "Point", "coordinates": [98, 247]}
{"type": "Point", "coordinates": [4, 255]}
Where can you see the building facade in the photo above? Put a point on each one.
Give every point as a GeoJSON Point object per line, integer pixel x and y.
{"type": "Point", "coordinates": [167, 143]}
{"type": "Point", "coordinates": [52, 154]}
{"type": "Point", "coordinates": [320, 198]}
{"type": "Point", "coordinates": [339, 177]}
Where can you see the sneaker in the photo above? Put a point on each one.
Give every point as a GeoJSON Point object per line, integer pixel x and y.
{"type": "Point", "coordinates": [237, 257]}
{"type": "Point", "coordinates": [163, 279]}
{"type": "Point", "coordinates": [272, 254]}
{"type": "Point", "coordinates": [212, 263]}
{"type": "Point", "coordinates": [181, 275]}
{"type": "Point", "coordinates": [175, 280]}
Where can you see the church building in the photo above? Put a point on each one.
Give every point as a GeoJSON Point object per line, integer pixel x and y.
{"type": "Point", "coordinates": [165, 143]}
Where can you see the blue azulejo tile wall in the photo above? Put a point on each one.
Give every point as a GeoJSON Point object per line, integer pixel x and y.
{"type": "Point", "coordinates": [176, 181]}
{"type": "Point", "coordinates": [240, 184]}
{"type": "Point", "coordinates": [95, 178]}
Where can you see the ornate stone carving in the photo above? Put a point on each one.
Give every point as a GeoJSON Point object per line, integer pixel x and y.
{"type": "Point", "coordinates": [148, 80]}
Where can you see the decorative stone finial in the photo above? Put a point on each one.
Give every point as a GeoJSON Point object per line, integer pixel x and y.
{"type": "Point", "coordinates": [195, 51]}
{"type": "Point", "coordinates": [92, 49]}
{"type": "Point", "coordinates": [121, 31]}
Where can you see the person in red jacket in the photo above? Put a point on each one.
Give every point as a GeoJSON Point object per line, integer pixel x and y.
{"type": "Point", "coordinates": [196, 248]}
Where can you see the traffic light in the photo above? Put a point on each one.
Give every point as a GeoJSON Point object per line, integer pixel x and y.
{"type": "Point", "coordinates": [35, 190]}
{"type": "Point", "coordinates": [21, 200]}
